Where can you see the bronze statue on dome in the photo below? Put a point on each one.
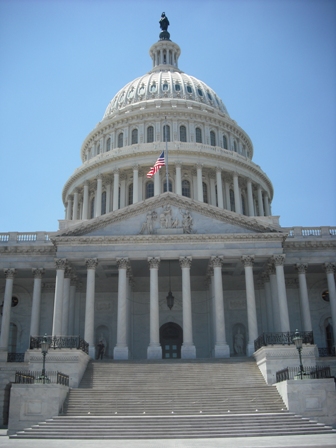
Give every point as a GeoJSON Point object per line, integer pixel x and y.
{"type": "Point", "coordinates": [164, 22]}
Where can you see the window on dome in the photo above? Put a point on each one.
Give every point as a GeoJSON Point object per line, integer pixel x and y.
{"type": "Point", "coordinates": [108, 144]}
{"type": "Point", "coordinates": [186, 188]}
{"type": "Point", "coordinates": [170, 185]}
{"type": "Point", "coordinates": [150, 134]}
{"type": "Point", "coordinates": [165, 87]}
{"type": "Point", "coordinates": [205, 192]}
{"type": "Point", "coordinates": [177, 87]}
{"type": "Point", "coordinates": [134, 136]}
{"type": "Point", "coordinates": [199, 91]}
{"type": "Point", "coordinates": [183, 133]}
{"type": "Point", "coordinates": [130, 194]}
{"type": "Point", "coordinates": [122, 96]}
{"type": "Point", "coordinates": [198, 135]}
{"type": "Point", "coordinates": [120, 140]}
{"type": "Point", "coordinates": [225, 144]}
{"type": "Point", "coordinates": [209, 96]}
{"type": "Point", "coordinates": [166, 133]}
{"type": "Point", "coordinates": [212, 138]}
{"type": "Point", "coordinates": [189, 89]}
{"type": "Point", "coordinates": [232, 201]}
{"type": "Point", "coordinates": [153, 88]}
{"type": "Point", "coordinates": [103, 203]}
{"type": "Point", "coordinates": [142, 90]}
{"type": "Point", "coordinates": [131, 93]}
{"type": "Point", "coordinates": [92, 207]}
{"type": "Point", "coordinates": [149, 189]}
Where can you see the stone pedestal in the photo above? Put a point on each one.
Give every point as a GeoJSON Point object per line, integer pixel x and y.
{"type": "Point", "coordinates": [154, 352]}
{"type": "Point", "coordinates": [221, 351]}
{"type": "Point", "coordinates": [188, 352]}
{"type": "Point", "coordinates": [121, 353]}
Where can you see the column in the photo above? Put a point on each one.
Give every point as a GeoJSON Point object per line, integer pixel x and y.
{"type": "Point", "coordinates": [330, 271]}
{"type": "Point", "coordinates": [279, 261]}
{"type": "Point", "coordinates": [188, 350]}
{"type": "Point", "coordinates": [199, 183]}
{"type": "Point", "coordinates": [66, 300]}
{"type": "Point", "coordinates": [61, 264]}
{"type": "Point", "coordinates": [252, 323]}
{"type": "Point", "coordinates": [122, 179]}
{"type": "Point", "coordinates": [260, 202]}
{"type": "Point", "coordinates": [154, 350]}
{"type": "Point", "coordinates": [267, 205]}
{"type": "Point", "coordinates": [236, 193]}
{"type": "Point", "coordinates": [212, 199]}
{"type": "Point", "coordinates": [227, 195]}
{"type": "Point", "coordinates": [6, 311]}
{"type": "Point", "coordinates": [275, 301]}
{"type": "Point", "coordinates": [268, 297]}
{"type": "Point", "coordinates": [86, 200]}
{"type": "Point", "coordinates": [304, 301]}
{"type": "Point", "coordinates": [69, 208]}
{"type": "Point", "coordinates": [219, 188]}
{"type": "Point", "coordinates": [222, 350]}
{"type": "Point", "coordinates": [99, 195]}
{"type": "Point", "coordinates": [91, 265]}
{"type": "Point", "coordinates": [36, 306]}
{"type": "Point", "coordinates": [115, 190]}
{"type": "Point", "coordinates": [121, 349]}
{"type": "Point", "coordinates": [73, 285]}
{"type": "Point", "coordinates": [135, 184]}
{"type": "Point", "coordinates": [250, 198]}
{"type": "Point", "coordinates": [108, 195]}
{"type": "Point", "coordinates": [157, 183]}
{"type": "Point", "coordinates": [178, 180]}
{"type": "Point", "coordinates": [75, 206]}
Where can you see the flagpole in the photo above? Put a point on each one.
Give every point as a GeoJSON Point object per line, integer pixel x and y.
{"type": "Point", "coordinates": [166, 156]}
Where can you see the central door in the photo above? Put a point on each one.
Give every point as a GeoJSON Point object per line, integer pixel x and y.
{"type": "Point", "coordinates": [171, 338]}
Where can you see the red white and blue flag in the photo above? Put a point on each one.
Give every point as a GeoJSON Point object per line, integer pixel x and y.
{"type": "Point", "coordinates": [158, 164]}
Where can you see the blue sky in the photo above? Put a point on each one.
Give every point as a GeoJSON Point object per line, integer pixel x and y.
{"type": "Point", "coordinates": [273, 63]}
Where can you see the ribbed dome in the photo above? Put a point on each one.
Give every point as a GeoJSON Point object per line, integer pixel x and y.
{"type": "Point", "coordinates": [164, 81]}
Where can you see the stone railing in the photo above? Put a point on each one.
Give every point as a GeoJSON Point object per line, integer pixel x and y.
{"type": "Point", "coordinates": [12, 238]}
{"type": "Point", "coordinates": [285, 338]}
{"type": "Point", "coordinates": [310, 232]}
{"type": "Point", "coordinates": [59, 342]}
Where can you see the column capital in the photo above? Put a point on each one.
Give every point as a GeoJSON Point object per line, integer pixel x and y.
{"type": "Point", "coordinates": [91, 263]}
{"type": "Point", "coordinates": [279, 260]}
{"type": "Point", "coordinates": [199, 166]}
{"type": "Point", "coordinates": [216, 262]}
{"type": "Point", "coordinates": [270, 269]}
{"type": "Point", "coordinates": [116, 171]}
{"type": "Point", "coordinates": [9, 272]}
{"type": "Point", "coordinates": [185, 262]}
{"type": "Point", "coordinates": [218, 169]}
{"type": "Point", "coordinates": [301, 267]}
{"type": "Point", "coordinates": [135, 167]}
{"type": "Point", "coordinates": [153, 262]}
{"type": "Point", "coordinates": [330, 267]}
{"type": "Point", "coordinates": [122, 263]}
{"type": "Point", "coordinates": [247, 260]}
{"type": "Point", "coordinates": [68, 272]}
{"type": "Point", "coordinates": [99, 176]}
{"type": "Point", "coordinates": [61, 263]}
{"type": "Point", "coordinates": [38, 272]}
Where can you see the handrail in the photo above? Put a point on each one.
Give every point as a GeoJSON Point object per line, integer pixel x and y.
{"type": "Point", "coordinates": [59, 342]}
{"type": "Point", "coordinates": [285, 338]}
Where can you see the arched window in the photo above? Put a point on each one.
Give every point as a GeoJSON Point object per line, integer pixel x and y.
{"type": "Point", "coordinates": [134, 136]}
{"type": "Point", "coordinates": [103, 203]}
{"type": "Point", "coordinates": [149, 189]}
{"type": "Point", "coordinates": [150, 134]}
{"type": "Point", "coordinates": [205, 192]}
{"type": "Point", "coordinates": [198, 135]}
{"type": "Point", "coordinates": [243, 204]}
{"type": "Point", "coordinates": [186, 188]}
{"type": "Point", "coordinates": [92, 207]}
{"type": "Point", "coordinates": [130, 194]}
{"type": "Point", "coordinates": [170, 185]}
{"type": "Point", "coordinates": [235, 146]}
{"type": "Point", "coordinates": [225, 145]}
{"type": "Point", "coordinates": [232, 201]}
{"type": "Point", "coordinates": [98, 149]}
{"type": "Point", "coordinates": [166, 133]}
{"type": "Point", "coordinates": [216, 193]}
{"type": "Point", "coordinates": [120, 140]}
{"type": "Point", "coordinates": [108, 144]}
{"type": "Point", "coordinates": [183, 133]}
{"type": "Point", "coordinates": [212, 138]}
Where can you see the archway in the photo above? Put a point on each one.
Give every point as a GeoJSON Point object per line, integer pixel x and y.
{"type": "Point", "coordinates": [171, 338]}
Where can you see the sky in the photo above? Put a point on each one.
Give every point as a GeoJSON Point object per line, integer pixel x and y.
{"type": "Point", "coordinates": [272, 62]}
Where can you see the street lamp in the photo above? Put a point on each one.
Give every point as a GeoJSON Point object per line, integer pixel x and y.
{"type": "Point", "coordinates": [298, 344]}
{"type": "Point", "coordinates": [44, 350]}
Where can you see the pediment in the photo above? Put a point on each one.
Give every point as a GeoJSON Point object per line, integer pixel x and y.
{"type": "Point", "coordinates": [168, 214]}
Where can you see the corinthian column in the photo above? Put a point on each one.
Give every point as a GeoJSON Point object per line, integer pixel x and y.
{"type": "Point", "coordinates": [154, 351]}
{"type": "Point", "coordinates": [252, 323]}
{"type": "Point", "coordinates": [219, 188]}
{"type": "Point", "coordinates": [279, 261]}
{"type": "Point", "coordinates": [121, 349]}
{"type": "Point", "coordinates": [236, 193]}
{"type": "Point", "coordinates": [6, 310]}
{"type": "Point", "coordinates": [222, 350]}
{"type": "Point", "coordinates": [66, 300]}
{"type": "Point", "coordinates": [86, 200]}
{"type": "Point", "coordinates": [135, 184]}
{"type": "Point", "coordinates": [304, 301]}
{"type": "Point", "coordinates": [178, 180]}
{"type": "Point", "coordinates": [73, 285]}
{"type": "Point", "coordinates": [99, 194]}
{"type": "Point", "coordinates": [91, 265]}
{"type": "Point", "coordinates": [61, 264]}
{"type": "Point", "coordinates": [199, 183]}
{"type": "Point", "coordinates": [330, 271]}
{"type": "Point", "coordinates": [268, 296]}
{"type": "Point", "coordinates": [250, 198]}
{"type": "Point", "coordinates": [188, 350]}
{"type": "Point", "coordinates": [36, 306]}
{"type": "Point", "coordinates": [115, 190]}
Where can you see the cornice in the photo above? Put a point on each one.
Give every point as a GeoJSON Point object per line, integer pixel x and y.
{"type": "Point", "coordinates": [312, 244]}
{"type": "Point", "coordinates": [23, 250]}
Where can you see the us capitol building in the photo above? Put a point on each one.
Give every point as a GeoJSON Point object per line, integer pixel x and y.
{"type": "Point", "coordinates": [188, 263]}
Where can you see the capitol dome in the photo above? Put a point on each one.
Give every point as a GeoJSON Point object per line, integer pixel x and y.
{"type": "Point", "coordinates": [210, 156]}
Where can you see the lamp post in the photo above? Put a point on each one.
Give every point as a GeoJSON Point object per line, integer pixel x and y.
{"type": "Point", "coordinates": [44, 350]}
{"type": "Point", "coordinates": [298, 344]}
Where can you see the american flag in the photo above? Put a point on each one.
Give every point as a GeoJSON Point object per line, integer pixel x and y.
{"type": "Point", "coordinates": [158, 164]}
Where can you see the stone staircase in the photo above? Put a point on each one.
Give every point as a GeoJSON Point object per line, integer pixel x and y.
{"type": "Point", "coordinates": [173, 399]}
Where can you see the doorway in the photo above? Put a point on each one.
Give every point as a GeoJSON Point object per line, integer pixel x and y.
{"type": "Point", "coordinates": [171, 338]}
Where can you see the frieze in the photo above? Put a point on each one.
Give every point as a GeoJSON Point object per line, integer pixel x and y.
{"type": "Point", "coordinates": [24, 250]}
{"type": "Point", "coordinates": [310, 244]}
